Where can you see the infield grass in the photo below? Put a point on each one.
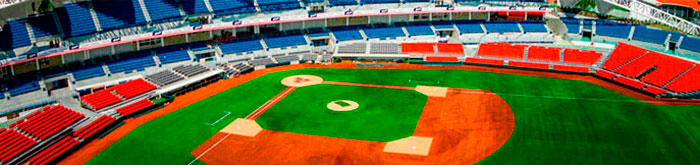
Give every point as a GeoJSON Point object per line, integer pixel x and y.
{"type": "Point", "coordinates": [556, 121]}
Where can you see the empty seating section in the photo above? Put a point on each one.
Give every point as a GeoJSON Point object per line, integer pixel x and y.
{"type": "Point", "coordinates": [100, 99]}
{"type": "Point", "coordinates": [613, 30]}
{"type": "Point", "coordinates": [384, 48]}
{"type": "Point", "coordinates": [42, 26]}
{"type": "Point", "coordinates": [690, 43]}
{"type": "Point", "coordinates": [53, 151]}
{"type": "Point", "coordinates": [532, 65]}
{"type": "Point", "coordinates": [441, 59]}
{"type": "Point", "coordinates": [418, 48]}
{"type": "Point", "coordinates": [76, 19]}
{"type": "Point", "coordinates": [261, 62]}
{"type": "Point", "coordinates": [341, 2]}
{"type": "Point", "coordinates": [622, 54]}
{"type": "Point", "coordinates": [313, 1]}
{"type": "Point", "coordinates": [131, 64]}
{"type": "Point", "coordinates": [284, 59]}
{"type": "Point", "coordinates": [164, 78]}
{"type": "Point", "coordinates": [116, 14]}
{"type": "Point", "coordinates": [134, 107]}
{"type": "Point", "coordinates": [687, 82]}
{"type": "Point", "coordinates": [664, 68]}
{"type": "Point", "coordinates": [630, 82]}
{"type": "Point", "coordinates": [88, 72]}
{"type": "Point", "coordinates": [445, 25]}
{"type": "Point", "coordinates": [379, 1]}
{"type": "Point", "coordinates": [419, 30]}
{"type": "Point", "coordinates": [346, 34]}
{"type": "Point", "coordinates": [318, 34]}
{"type": "Point", "coordinates": [12, 143]}
{"type": "Point", "coordinates": [533, 27]}
{"type": "Point", "coordinates": [172, 54]}
{"type": "Point", "coordinates": [655, 90]}
{"type": "Point", "coordinates": [573, 28]}
{"type": "Point", "coordinates": [133, 88]}
{"type": "Point", "coordinates": [96, 125]}
{"type": "Point", "coordinates": [161, 9]}
{"type": "Point", "coordinates": [18, 87]}
{"type": "Point", "coordinates": [656, 36]}
{"type": "Point", "coordinates": [450, 48]}
{"type": "Point", "coordinates": [48, 122]}
{"type": "Point", "coordinates": [484, 61]}
{"type": "Point", "coordinates": [194, 6]}
{"type": "Point", "coordinates": [273, 5]}
{"type": "Point", "coordinates": [541, 53]}
{"type": "Point", "coordinates": [568, 68]}
{"type": "Point", "coordinates": [285, 41]}
{"type": "Point", "coordinates": [240, 46]}
{"type": "Point", "coordinates": [190, 70]}
{"type": "Point", "coordinates": [605, 74]}
{"type": "Point", "coordinates": [309, 57]}
{"type": "Point", "coordinates": [469, 27]}
{"type": "Point", "coordinates": [502, 50]}
{"type": "Point", "coordinates": [577, 56]}
{"type": "Point", "coordinates": [360, 48]}
{"type": "Point", "coordinates": [18, 35]}
{"type": "Point", "coordinates": [384, 32]}
{"type": "Point", "coordinates": [502, 27]}
{"type": "Point", "coordinates": [224, 7]}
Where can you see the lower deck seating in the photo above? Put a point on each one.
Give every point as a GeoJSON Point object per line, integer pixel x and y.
{"type": "Point", "coordinates": [88, 72]}
{"type": "Point", "coordinates": [687, 82]}
{"type": "Point", "coordinates": [622, 54]}
{"type": "Point", "coordinates": [655, 90]}
{"type": "Point", "coordinates": [419, 30]}
{"type": "Point", "coordinates": [284, 59]}
{"type": "Point", "coordinates": [417, 48]}
{"type": "Point", "coordinates": [568, 68]}
{"type": "Point", "coordinates": [100, 99]}
{"type": "Point", "coordinates": [384, 32]}
{"type": "Point", "coordinates": [133, 88]}
{"type": "Point", "coordinates": [358, 48]}
{"type": "Point", "coordinates": [630, 82]}
{"type": "Point", "coordinates": [384, 48]}
{"type": "Point", "coordinates": [131, 64]}
{"type": "Point", "coordinates": [285, 41]}
{"type": "Point", "coordinates": [172, 54]}
{"type": "Point", "coordinates": [541, 53]}
{"type": "Point", "coordinates": [586, 57]}
{"type": "Point", "coordinates": [502, 50]}
{"type": "Point", "coordinates": [49, 122]}
{"type": "Point", "coordinates": [99, 123]}
{"type": "Point", "coordinates": [532, 65]}
{"type": "Point", "coordinates": [485, 61]}
{"type": "Point", "coordinates": [240, 46]}
{"type": "Point", "coordinates": [164, 78]}
{"type": "Point", "coordinates": [13, 143]}
{"type": "Point", "coordinates": [605, 74]}
{"type": "Point", "coordinates": [190, 70]}
{"type": "Point", "coordinates": [450, 48]}
{"type": "Point", "coordinates": [134, 107]}
{"type": "Point", "coordinates": [53, 151]}
{"type": "Point", "coordinates": [346, 34]}
{"type": "Point", "coordinates": [441, 59]}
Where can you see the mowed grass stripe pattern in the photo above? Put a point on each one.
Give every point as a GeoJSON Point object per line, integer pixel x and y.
{"type": "Point", "coordinates": [547, 130]}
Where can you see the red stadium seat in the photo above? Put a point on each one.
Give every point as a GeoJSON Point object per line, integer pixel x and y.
{"type": "Point", "coordinates": [502, 50]}
{"type": "Point", "coordinates": [441, 59]}
{"type": "Point", "coordinates": [541, 53]}
{"type": "Point", "coordinates": [484, 61]}
{"type": "Point", "coordinates": [568, 68]}
{"type": "Point", "coordinates": [532, 65]}
{"type": "Point", "coordinates": [586, 57]}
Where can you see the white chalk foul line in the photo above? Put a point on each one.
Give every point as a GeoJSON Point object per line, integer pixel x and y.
{"type": "Point", "coordinates": [217, 121]}
{"type": "Point", "coordinates": [209, 149]}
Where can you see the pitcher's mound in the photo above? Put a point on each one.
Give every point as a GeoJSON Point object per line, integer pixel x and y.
{"type": "Point", "coordinates": [301, 80]}
{"type": "Point", "coordinates": [243, 127]}
{"type": "Point", "coordinates": [432, 91]}
{"type": "Point", "coordinates": [343, 105]}
{"type": "Point", "coordinates": [414, 145]}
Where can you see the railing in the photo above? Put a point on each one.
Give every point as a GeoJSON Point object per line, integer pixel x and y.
{"type": "Point", "coordinates": [658, 15]}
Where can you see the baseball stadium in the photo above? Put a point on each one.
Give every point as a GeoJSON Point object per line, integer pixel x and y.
{"type": "Point", "coordinates": [349, 82]}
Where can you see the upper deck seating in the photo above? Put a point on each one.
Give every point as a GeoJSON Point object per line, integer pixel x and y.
{"type": "Point", "coordinates": [691, 44]}
{"type": "Point", "coordinates": [384, 32]}
{"type": "Point", "coordinates": [345, 34]}
{"type": "Point", "coordinates": [273, 5]}
{"type": "Point", "coordinates": [161, 9]}
{"type": "Point", "coordinates": [643, 33]}
{"type": "Point", "coordinates": [225, 7]}
{"type": "Point", "coordinates": [332, 3]}
{"type": "Point", "coordinates": [240, 46]}
{"type": "Point", "coordinates": [379, 1]}
{"type": "Point", "coordinates": [131, 64]}
{"type": "Point", "coordinates": [502, 27]}
{"type": "Point", "coordinates": [533, 27]}
{"type": "Point", "coordinates": [115, 14]}
{"type": "Point", "coordinates": [285, 41]}
{"type": "Point", "coordinates": [194, 6]}
{"type": "Point", "coordinates": [42, 26]}
{"type": "Point", "coordinates": [76, 19]}
{"type": "Point", "coordinates": [16, 34]}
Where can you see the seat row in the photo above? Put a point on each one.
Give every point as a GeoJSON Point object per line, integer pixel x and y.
{"type": "Point", "coordinates": [134, 107]}
{"type": "Point", "coordinates": [100, 99]}
{"type": "Point", "coordinates": [133, 88]}
{"type": "Point", "coordinates": [53, 151]}
{"type": "Point", "coordinates": [94, 126]}
{"type": "Point", "coordinates": [502, 50]}
{"type": "Point", "coordinates": [49, 122]}
{"type": "Point", "coordinates": [527, 64]}
{"type": "Point", "coordinates": [13, 143]}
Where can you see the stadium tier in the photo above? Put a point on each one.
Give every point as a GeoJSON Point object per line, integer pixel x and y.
{"type": "Point", "coordinates": [116, 14]}
{"type": "Point", "coordinates": [100, 99]}
{"type": "Point", "coordinates": [346, 34]}
{"type": "Point", "coordinates": [161, 9]}
{"type": "Point", "coordinates": [94, 126]}
{"type": "Point", "coordinates": [502, 27]}
{"type": "Point", "coordinates": [44, 124]}
{"type": "Point", "coordinates": [502, 50]}
{"type": "Point", "coordinates": [134, 107]}
{"type": "Point", "coordinates": [240, 46]}
{"type": "Point", "coordinates": [384, 32]}
{"type": "Point", "coordinates": [226, 7]}
{"type": "Point", "coordinates": [133, 88]}
{"type": "Point", "coordinates": [469, 28]}
{"type": "Point", "coordinates": [76, 19]}
{"type": "Point", "coordinates": [172, 54]}
{"type": "Point", "coordinates": [53, 151]}
{"type": "Point", "coordinates": [533, 27]}
{"type": "Point", "coordinates": [541, 53]}
{"type": "Point", "coordinates": [285, 41]}
{"type": "Point", "coordinates": [419, 30]}
{"type": "Point", "coordinates": [131, 64]}
{"type": "Point", "coordinates": [195, 6]}
{"type": "Point", "coordinates": [274, 5]}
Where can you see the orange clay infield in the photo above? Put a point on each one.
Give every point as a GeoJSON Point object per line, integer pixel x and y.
{"type": "Point", "coordinates": [466, 126]}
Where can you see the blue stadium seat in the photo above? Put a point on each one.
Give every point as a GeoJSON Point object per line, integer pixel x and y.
{"type": "Point", "coordinates": [143, 60]}
{"type": "Point", "coordinates": [240, 46]}
{"type": "Point", "coordinates": [194, 6]}
{"type": "Point", "coordinates": [274, 5]}
{"type": "Point", "coordinates": [472, 27]}
{"type": "Point", "coordinates": [573, 28]}
{"type": "Point", "coordinates": [691, 44]}
{"type": "Point", "coordinates": [384, 32]}
{"type": "Point", "coordinates": [172, 54]}
{"type": "Point", "coordinates": [379, 1]}
{"type": "Point", "coordinates": [116, 14]}
{"type": "Point", "coordinates": [416, 0]}
{"type": "Point", "coordinates": [76, 19]}
{"type": "Point", "coordinates": [656, 36]}
{"type": "Point", "coordinates": [16, 34]}
{"type": "Point", "coordinates": [42, 26]}
{"type": "Point", "coordinates": [675, 36]}
{"type": "Point", "coordinates": [226, 7]}
{"type": "Point", "coordinates": [502, 27]}
{"type": "Point", "coordinates": [161, 9]}
{"type": "Point", "coordinates": [443, 25]}
{"type": "Point", "coordinates": [419, 30]}
{"type": "Point", "coordinates": [285, 41]}
{"type": "Point", "coordinates": [613, 30]}
{"type": "Point", "coordinates": [313, 1]}
{"type": "Point", "coordinates": [332, 3]}
{"type": "Point", "coordinates": [533, 27]}
{"type": "Point", "coordinates": [318, 34]}
{"type": "Point", "coordinates": [346, 34]}
{"type": "Point", "coordinates": [20, 86]}
{"type": "Point", "coordinates": [88, 72]}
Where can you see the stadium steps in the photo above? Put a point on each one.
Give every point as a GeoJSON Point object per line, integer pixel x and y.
{"type": "Point", "coordinates": [362, 32]}
{"type": "Point", "coordinates": [632, 32]}
{"type": "Point", "coordinates": [522, 30]}
{"type": "Point", "coordinates": [177, 73]}
{"type": "Point", "coordinates": [679, 75]}
{"type": "Point", "coordinates": [145, 11]}
{"type": "Point", "coordinates": [308, 40]}
{"type": "Point", "coordinates": [93, 14]}
{"type": "Point", "coordinates": [206, 3]}
{"type": "Point", "coordinates": [32, 39]}
{"type": "Point", "coordinates": [106, 69]}
{"type": "Point", "coordinates": [264, 45]}
{"type": "Point", "coordinates": [182, 10]}
{"type": "Point", "coordinates": [157, 60]}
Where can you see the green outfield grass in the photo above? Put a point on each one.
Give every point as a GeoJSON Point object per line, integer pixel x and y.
{"type": "Point", "coordinates": [556, 121]}
{"type": "Point", "coordinates": [383, 115]}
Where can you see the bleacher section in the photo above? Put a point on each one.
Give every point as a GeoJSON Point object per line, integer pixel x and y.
{"type": "Point", "coordinates": [128, 65]}
{"type": "Point", "coordinates": [357, 48]}
{"type": "Point", "coordinates": [642, 33]}
{"type": "Point", "coordinates": [53, 151]}
{"type": "Point", "coordinates": [164, 78]}
{"type": "Point", "coordinates": [384, 48]}
{"type": "Point", "coordinates": [533, 27]}
{"type": "Point", "coordinates": [161, 9]}
{"type": "Point", "coordinates": [346, 34]}
{"type": "Point", "coordinates": [43, 26]}
{"type": "Point", "coordinates": [240, 46]}
{"type": "Point", "coordinates": [261, 62]}
{"type": "Point", "coordinates": [285, 41]}
{"type": "Point", "coordinates": [450, 48]}
{"type": "Point", "coordinates": [224, 7]}
{"type": "Point", "coordinates": [419, 30]}
{"type": "Point", "coordinates": [688, 82]}
{"type": "Point", "coordinates": [586, 57]}
{"type": "Point", "coordinates": [190, 70]}
{"type": "Point", "coordinates": [691, 44]}
{"type": "Point", "coordinates": [194, 6]}
{"type": "Point", "coordinates": [502, 50]}
{"type": "Point", "coordinates": [94, 126]}
{"type": "Point", "coordinates": [573, 28]}
{"type": "Point", "coordinates": [114, 14]}
{"type": "Point", "coordinates": [172, 54]}
{"type": "Point", "coordinates": [13, 143]}
{"type": "Point", "coordinates": [663, 68]}
{"type": "Point", "coordinates": [332, 3]}
{"type": "Point", "coordinates": [76, 19]}
{"type": "Point", "coordinates": [469, 27]}
{"type": "Point", "coordinates": [133, 88]}
{"type": "Point", "coordinates": [134, 107]}
{"type": "Point", "coordinates": [43, 124]}
{"type": "Point", "coordinates": [417, 48]}
{"type": "Point", "coordinates": [274, 5]}
{"type": "Point", "coordinates": [384, 32]}
{"type": "Point", "coordinates": [379, 1]}
{"type": "Point", "coordinates": [541, 53]}
{"type": "Point", "coordinates": [622, 54]}
{"type": "Point", "coordinates": [18, 87]}
{"type": "Point", "coordinates": [502, 27]}
{"type": "Point", "coordinates": [613, 30]}
{"type": "Point", "coordinates": [15, 35]}
{"type": "Point", "coordinates": [285, 59]}
{"type": "Point", "coordinates": [88, 72]}
{"type": "Point", "coordinates": [100, 99]}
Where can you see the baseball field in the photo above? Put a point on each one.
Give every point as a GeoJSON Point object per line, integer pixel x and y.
{"type": "Point", "coordinates": [487, 117]}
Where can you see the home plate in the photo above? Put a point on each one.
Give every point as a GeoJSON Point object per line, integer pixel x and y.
{"type": "Point", "coordinates": [243, 127]}
{"type": "Point", "coordinates": [414, 145]}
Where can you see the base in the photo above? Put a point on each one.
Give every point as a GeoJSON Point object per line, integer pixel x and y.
{"type": "Point", "coordinates": [432, 91]}
{"type": "Point", "coordinates": [414, 145]}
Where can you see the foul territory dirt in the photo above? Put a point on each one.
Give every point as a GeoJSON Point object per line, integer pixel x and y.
{"type": "Point", "coordinates": [465, 126]}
